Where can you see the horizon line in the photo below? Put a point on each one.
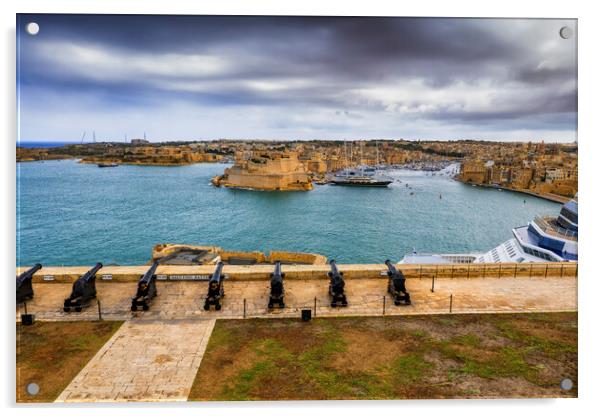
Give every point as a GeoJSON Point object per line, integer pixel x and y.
{"type": "Point", "coordinates": [569, 141]}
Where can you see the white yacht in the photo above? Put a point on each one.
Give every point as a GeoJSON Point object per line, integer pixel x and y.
{"type": "Point", "coordinates": [544, 239]}
{"type": "Point", "coordinates": [363, 176]}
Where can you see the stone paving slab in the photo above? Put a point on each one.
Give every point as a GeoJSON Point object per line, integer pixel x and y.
{"type": "Point", "coordinates": [177, 300]}
{"type": "Point", "coordinates": [144, 361]}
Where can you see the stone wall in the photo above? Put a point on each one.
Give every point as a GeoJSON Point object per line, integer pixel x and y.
{"type": "Point", "coordinates": [317, 271]}
{"type": "Point", "coordinates": [293, 257]}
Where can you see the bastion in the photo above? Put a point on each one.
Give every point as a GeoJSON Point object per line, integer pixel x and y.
{"type": "Point", "coordinates": [266, 171]}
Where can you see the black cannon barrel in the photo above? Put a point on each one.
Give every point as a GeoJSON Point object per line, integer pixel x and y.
{"type": "Point", "coordinates": [24, 285]}
{"type": "Point", "coordinates": [276, 287]}
{"type": "Point", "coordinates": [276, 280]}
{"type": "Point", "coordinates": [216, 289]}
{"type": "Point", "coordinates": [334, 270]}
{"type": "Point", "coordinates": [91, 274]}
{"type": "Point", "coordinates": [26, 275]}
{"type": "Point", "coordinates": [277, 270]}
{"type": "Point", "coordinates": [217, 274]}
{"type": "Point", "coordinates": [83, 291]}
{"type": "Point", "coordinates": [336, 288]}
{"type": "Point", "coordinates": [392, 269]}
{"type": "Point", "coordinates": [146, 277]}
{"type": "Point", "coordinates": [147, 289]}
{"type": "Point", "coordinates": [397, 286]}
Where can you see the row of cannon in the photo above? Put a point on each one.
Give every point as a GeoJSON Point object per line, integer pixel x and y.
{"type": "Point", "coordinates": [84, 288]}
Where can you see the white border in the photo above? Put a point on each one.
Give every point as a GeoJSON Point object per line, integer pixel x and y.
{"type": "Point", "coordinates": [589, 155]}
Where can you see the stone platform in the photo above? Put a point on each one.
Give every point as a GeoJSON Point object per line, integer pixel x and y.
{"type": "Point", "coordinates": [182, 300]}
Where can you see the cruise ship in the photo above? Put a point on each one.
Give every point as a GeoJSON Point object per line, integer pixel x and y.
{"type": "Point", "coordinates": [544, 239]}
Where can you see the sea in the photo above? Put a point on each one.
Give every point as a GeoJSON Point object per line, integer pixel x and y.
{"type": "Point", "coordinates": [43, 144]}
{"type": "Point", "coordinates": [70, 213]}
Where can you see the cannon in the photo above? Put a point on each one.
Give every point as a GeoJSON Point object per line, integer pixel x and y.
{"type": "Point", "coordinates": [84, 289]}
{"type": "Point", "coordinates": [336, 289]}
{"type": "Point", "coordinates": [397, 285]}
{"type": "Point", "coordinates": [24, 287]}
{"type": "Point", "coordinates": [276, 288]}
{"type": "Point", "coordinates": [147, 289]}
{"type": "Point", "coordinates": [216, 289]}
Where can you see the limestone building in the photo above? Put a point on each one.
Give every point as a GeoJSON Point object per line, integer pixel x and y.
{"type": "Point", "coordinates": [267, 171]}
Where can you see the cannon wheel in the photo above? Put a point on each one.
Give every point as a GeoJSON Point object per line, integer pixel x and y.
{"type": "Point", "coordinates": [206, 306]}
{"type": "Point", "coordinates": [333, 304]}
{"type": "Point", "coordinates": [78, 309]}
{"type": "Point", "coordinates": [66, 309]}
{"type": "Point", "coordinates": [397, 303]}
{"type": "Point", "coordinates": [134, 308]}
{"type": "Point", "coordinates": [218, 307]}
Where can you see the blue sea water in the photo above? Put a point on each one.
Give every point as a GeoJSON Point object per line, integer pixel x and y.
{"type": "Point", "coordinates": [44, 144]}
{"type": "Point", "coordinates": [77, 214]}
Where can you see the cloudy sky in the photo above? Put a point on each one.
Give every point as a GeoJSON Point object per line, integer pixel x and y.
{"type": "Point", "coordinates": [192, 77]}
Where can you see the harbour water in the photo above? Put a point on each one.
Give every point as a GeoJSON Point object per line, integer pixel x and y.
{"type": "Point", "coordinates": [77, 214]}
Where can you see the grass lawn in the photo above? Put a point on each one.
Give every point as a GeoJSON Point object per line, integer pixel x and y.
{"type": "Point", "coordinates": [410, 357]}
{"type": "Point", "coordinates": [50, 354]}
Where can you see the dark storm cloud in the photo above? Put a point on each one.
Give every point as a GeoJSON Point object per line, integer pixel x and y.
{"type": "Point", "coordinates": [437, 70]}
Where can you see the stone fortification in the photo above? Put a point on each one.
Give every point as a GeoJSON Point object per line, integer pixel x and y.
{"type": "Point", "coordinates": [266, 171]}
{"type": "Point", "coordinates": [191, 254]}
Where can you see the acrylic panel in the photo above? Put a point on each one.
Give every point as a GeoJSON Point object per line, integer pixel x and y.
{"type": "Point", "coordinates": [295, 208]}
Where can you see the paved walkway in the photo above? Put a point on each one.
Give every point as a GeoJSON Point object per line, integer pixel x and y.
{"type": "Point", "coordinates": [181, 300]}
{"type": "Point", "coordinates": [144, 361]}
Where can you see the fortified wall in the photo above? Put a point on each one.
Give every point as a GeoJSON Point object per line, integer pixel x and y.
{"type": "Point", "coordinates": [268, 171]}
{"type": "Point", "coordinates": [312, 271]}
{"type": "Point", "coordinates": [190, 254]}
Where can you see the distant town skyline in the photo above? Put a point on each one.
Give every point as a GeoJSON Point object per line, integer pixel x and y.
{"type": "Point", "coordinates": [295, 78]}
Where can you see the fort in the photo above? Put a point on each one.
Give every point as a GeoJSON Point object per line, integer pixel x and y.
{"type": "Point", "coordinates": [266, 171]}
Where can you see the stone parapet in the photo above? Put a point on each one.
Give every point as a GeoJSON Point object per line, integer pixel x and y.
{"type": "Point", "coordinates": [311, 271]}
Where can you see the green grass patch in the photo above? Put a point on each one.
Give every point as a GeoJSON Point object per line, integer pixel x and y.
{"type": "Point", "coordinates": [394, 358]}
{"type": "Point", "coordinates": [530, 342]}
{"type": "Point", "coordinates": [410, 368]}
